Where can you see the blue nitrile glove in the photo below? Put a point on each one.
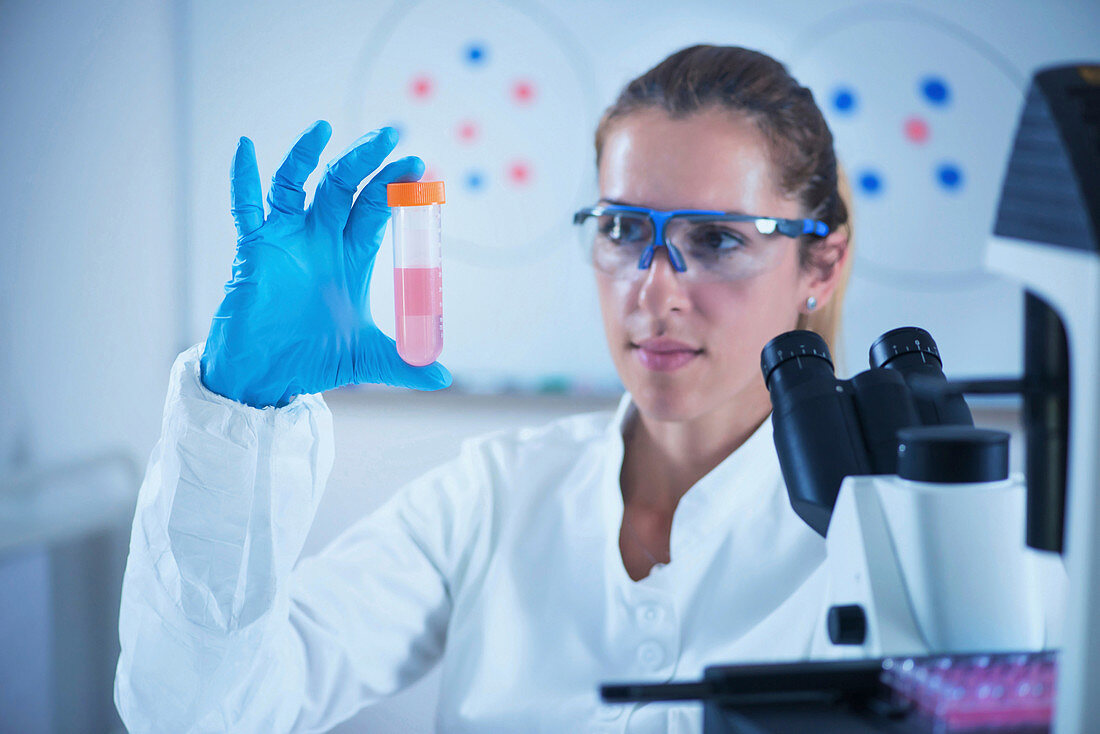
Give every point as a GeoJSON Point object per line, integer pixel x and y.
{"type": "Point", "coordinates": [296, 314]}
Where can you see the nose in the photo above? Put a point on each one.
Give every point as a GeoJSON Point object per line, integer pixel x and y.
{"type": "Point", "coordinates": [662, 289]}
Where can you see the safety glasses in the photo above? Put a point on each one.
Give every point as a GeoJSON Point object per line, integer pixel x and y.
{"type": "Point", "coordinates": [702, 245]}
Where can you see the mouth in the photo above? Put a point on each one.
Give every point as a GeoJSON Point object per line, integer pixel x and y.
{"type": "Point", "coordinates": [661, 354]}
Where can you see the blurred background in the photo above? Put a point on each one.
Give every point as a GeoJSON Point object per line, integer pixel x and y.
{"type": "Point", "coordinates": [118, 121]}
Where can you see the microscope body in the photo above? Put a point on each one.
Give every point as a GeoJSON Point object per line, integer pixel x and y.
{"type": "Point", "coordinates": [919, 568]}
{"type": "Point", "coordinates": [1064, 298]}
{"type": "Point", "coordinates": [826, 429]}
{"type": "Point", "coordinates": [924, 528]}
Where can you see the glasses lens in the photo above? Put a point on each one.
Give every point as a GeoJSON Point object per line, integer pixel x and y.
{"type": "Point", "coordinates": [615, 240]}
{"type": "Point", "coordinates": [716, 249]}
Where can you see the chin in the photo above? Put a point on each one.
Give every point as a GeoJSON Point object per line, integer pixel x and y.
{"type": "Point", "coordinates": [698, 390]}
{"type": "Point", "coordinates": [668, 400]}
{"type": "Point", "coordinates": [664, 413]}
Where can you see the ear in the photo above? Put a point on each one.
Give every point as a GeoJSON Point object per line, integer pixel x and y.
{"type": "Point", "coordinates": [826, 268]}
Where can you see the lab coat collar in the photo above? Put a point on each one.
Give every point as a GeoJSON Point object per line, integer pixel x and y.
{"type": "Point", "coordinates": [742, 482]}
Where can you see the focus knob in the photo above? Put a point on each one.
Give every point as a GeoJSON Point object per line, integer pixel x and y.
{"type": "Point", "coordinates": [847, 624]}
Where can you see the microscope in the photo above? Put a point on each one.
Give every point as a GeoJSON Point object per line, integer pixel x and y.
{"type": "Point", "coordinates": [931, 621]}
{"type": "Point", "coordinates": [925, 537]}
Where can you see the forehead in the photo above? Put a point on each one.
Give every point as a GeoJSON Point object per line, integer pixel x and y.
{"type": "Point", "coordinates": [712, 159]}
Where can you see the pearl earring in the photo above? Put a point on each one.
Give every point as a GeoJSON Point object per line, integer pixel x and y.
{"type": "Point", "coordinates": [811, 303]}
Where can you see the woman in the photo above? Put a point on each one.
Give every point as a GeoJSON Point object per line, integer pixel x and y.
{"type": "Point", "coordinates": [537, 564]}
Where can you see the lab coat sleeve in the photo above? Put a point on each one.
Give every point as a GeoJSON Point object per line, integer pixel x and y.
{"type": "Point", "coordinates": [220, 631]}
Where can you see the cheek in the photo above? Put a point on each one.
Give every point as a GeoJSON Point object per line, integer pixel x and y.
{"type": "Point", "coordinates": [746, 316]}
{"type": "Point", "coordinates": [614, 295]}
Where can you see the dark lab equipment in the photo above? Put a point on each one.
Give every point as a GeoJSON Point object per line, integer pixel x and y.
{"type": "Point", "coordinates": [1006, 693]}
{"type": "Point", "coordinates": [827, 429]}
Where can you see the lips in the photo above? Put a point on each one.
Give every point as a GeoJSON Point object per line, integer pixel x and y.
{"type": "Point", "coordinates": [665, 355]}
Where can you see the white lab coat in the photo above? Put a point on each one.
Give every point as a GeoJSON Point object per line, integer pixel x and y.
{"type": "Point", "coordinates": [502, 566]}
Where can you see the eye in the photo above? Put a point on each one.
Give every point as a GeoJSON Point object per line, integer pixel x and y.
{"type": "Point", "coordinates": [716, 238]}
{"type": "Point", "coordinates": [623, 229]}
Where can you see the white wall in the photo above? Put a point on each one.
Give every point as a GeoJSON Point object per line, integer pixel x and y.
{"type": "Point", "coordinates": [88, 288]}
{"type": "Point", "coordinates": [88, 192]}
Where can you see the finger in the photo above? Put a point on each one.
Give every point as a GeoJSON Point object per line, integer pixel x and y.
{"type": "Point", "coordinates": [286, 194]}
{"type": "Point", "coordinates": [371, 204]}
{"type": "Point", "coordinates": [366, 223]}
{"type": "Point", "coordinates": [245, 191]}
{"type": "Point", "coordinates": [343, 176]}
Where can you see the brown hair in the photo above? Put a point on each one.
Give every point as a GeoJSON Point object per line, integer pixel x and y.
{"type": "Point", "coordinates": [800, 144]}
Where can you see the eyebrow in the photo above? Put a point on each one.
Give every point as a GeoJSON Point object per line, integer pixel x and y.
{"type": "Point", "coordinates": [617, 202]}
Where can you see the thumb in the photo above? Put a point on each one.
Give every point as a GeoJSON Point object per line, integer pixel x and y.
{"type": "Point", "coordinates": [377, 361]}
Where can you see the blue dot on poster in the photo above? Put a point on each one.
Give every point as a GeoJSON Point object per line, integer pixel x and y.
{"type": "Point", "coordinates": [949, 176]}
{"type": "Point", "coordinates": [870, 183]}
{"type": "Point", "coordinates": [844, 100]}
{"type": "Point", "coordinates": [476, 53]}
{"type": "Point", "coordinates": [935, 90]}
{"type": "Point", "coordinates": [475, 180]}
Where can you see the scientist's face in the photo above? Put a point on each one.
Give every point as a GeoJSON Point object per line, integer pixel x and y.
{"type": "Point", "coordinates": [686, 349]}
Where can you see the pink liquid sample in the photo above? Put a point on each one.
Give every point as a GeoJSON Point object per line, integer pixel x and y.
{"type": "Point", "coordinates": [418, 305]}
{"type": "Point", "coordinates": [979, 693]}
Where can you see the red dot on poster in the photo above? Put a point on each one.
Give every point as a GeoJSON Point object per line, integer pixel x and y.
{"type": "Point", "coordinates": [519, 173]}
{"type": "Point", "coordinates": [916, 130]}
{"type": "Point", "coordinates": [467, 131]}
{"type": "Point", "coordinates": [523, 92]}
{"type": "Point", "coordinates": [421, 87]}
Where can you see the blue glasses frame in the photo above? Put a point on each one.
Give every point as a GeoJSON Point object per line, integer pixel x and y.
{"type": "Point", "coordinates": [660, 218]}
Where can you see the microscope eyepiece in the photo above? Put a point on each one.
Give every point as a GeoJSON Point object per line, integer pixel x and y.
{"type": "Point", "coordinates": [795, 352]}
{"type": "Point", "coordinates": [907, 344]}
{"type": "Point", "coordinates": [826, 429]}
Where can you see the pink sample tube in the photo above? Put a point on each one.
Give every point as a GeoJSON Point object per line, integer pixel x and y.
{"type": "Point", "coordinates": [417, 269]}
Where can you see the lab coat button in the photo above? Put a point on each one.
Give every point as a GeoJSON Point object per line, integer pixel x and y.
{"type": "Point", "coordinates": [651, 655]}
{"type": "Point", "coordinates": [650, 616]}
{"type": "Point", "coordinates": [610, 713]}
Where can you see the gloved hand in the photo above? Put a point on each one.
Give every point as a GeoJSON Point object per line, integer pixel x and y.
{"type": "Point", "coordinates": [296, 314]}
